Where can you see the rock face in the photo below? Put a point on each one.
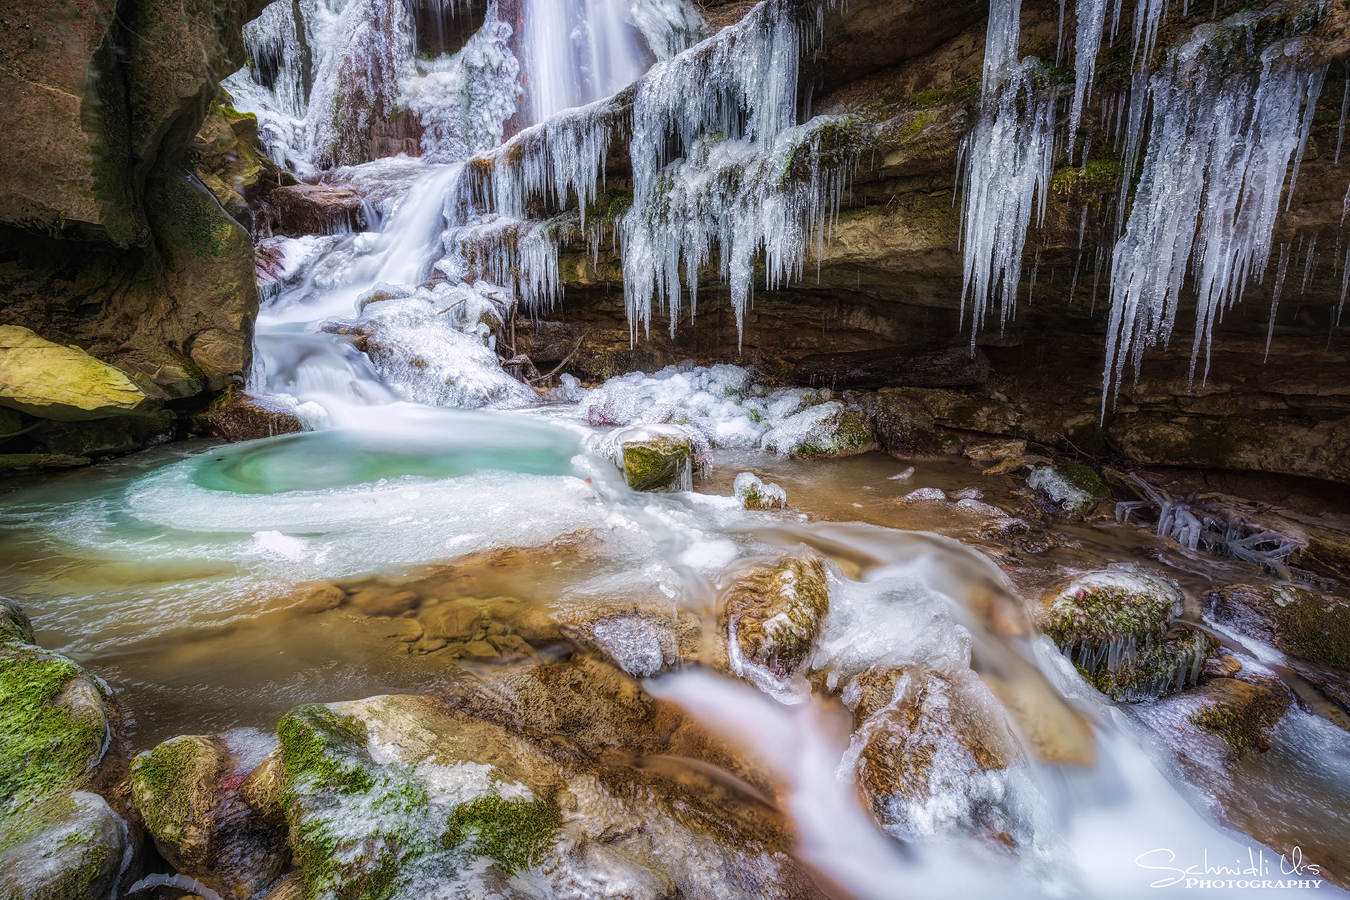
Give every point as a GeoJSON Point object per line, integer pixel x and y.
{"type": "Point", "coordinates": [314, 209]}
{"type": "Point", "coordinates": [236, 416]}
{"type": "Point", "coordinates": [1305, 625]}
{"type": "Point", "coordinates": [108, 245]}
{"type": "Point", "coordinates": [1116, 626]}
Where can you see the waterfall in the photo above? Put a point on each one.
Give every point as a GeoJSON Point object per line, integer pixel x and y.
{"type": "Point", "coordinates": [1218, 149]}
{"type": "Point", "coordinates": [1007, 161]}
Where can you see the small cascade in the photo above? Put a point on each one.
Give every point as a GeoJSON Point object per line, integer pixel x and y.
{"type": "Point", "coordinates": [1007, 160]}
{"type": "Point", "coordinates": [1219, 145]}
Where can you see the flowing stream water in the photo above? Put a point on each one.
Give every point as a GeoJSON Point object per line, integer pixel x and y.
{"type": "Point", "coordinates": [175, 573]}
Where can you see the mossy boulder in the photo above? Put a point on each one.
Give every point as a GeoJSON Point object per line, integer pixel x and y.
{"type": "Point", "coordinates": [54, 727]}
{"type": "Point", "coordinates": [931, 755]}
{"type": "Point", "coordinates": [773, 614]}
{"type": "Point", "coordinates": [1240, 713]}
{"type": "Point", "coordinates": [824, 430]}
{"type": "Point", "coordinates": [53, 381]}
{"type": "Point", "coordinates": [1305, 625]}
{"type": "Point", "coordinates": [658, 462]}
{"type": "Point", "coordinates": [905, 428]}
{"type": "Point", "coordinates": [1070, 491]}
{"type": "Point", "coordinates": [175, 787]}
{"type": "Point", "coordinates": [754, 494]}
{"type": "Point", "coordinates": [71, 847]}
{"type": "Point", "coordinates": [1117, 627]}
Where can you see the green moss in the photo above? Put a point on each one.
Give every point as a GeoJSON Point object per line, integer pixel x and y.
{"type": "Point", "coordinates": [312, 739]}
{"type": "Point", "coordinates": [1314, 628]}
{"type": "Point", "coordinates": [1242, 733]}
{"type": "Point", "coordinates": [165, 777]}
{"type": "Point", "coordinates": [1100, 175]}
{"type": "Point", "coordinates": [846, 432]}
{"type": "Point", "coordinates": [1155, 668]}
{"type": "Point", "coordinates": [513, 833]}
{"type": "Point", "coordinates": [1099, 615]}
{"type": "Point", "coordinates": [833, 143]}
{"type": "Point", "coordinates": [44, 745]}
{"type": "Point", "coordinates": [655, 464]}
{"type": "Point", "coordinates": [1085, 479]}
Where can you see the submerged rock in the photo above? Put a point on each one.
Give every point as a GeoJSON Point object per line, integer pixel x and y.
{"type": "Point", "coordinates": [755, 494]}
{"type": "Point", "coordinates": [1116, 627]}
{"type": "Point", "coordinates": [1303, 624]}
{"type": "Point", "coordinates": [773, 614]}
{"type": "Point", "coordinates": [931, 754]}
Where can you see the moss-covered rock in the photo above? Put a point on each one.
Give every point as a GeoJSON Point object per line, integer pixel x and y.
{"type": "Point", "coordinates": [1305, 625]}
{"type": "Point", "coordinates": [1116, 626]}
{"type": "Point", "coordinates": [905, 429]}
{"type": "Point", "coordinates": [773, 614]}
{"type": "Point", "coordinates": [53, 381]}
{"type": "Point", "coordinates": [1240, 713]}
{"type": "Point", "coordinates": [658, 463]}
{"type": "Point", "coordinates": [930, 754]}
{"type": "Point", "coordinates": [824, 430]}
{"type": "Point", "coordinates": [71, 847]}
{"type": "Point", "coordinates": [1063, 490]}
{"type": "Point", "coordinates": [175, 787]}
{"type": "Point", "coordinates": [756, 495]}
{"type": "Point", "coordinates": [54, 726]}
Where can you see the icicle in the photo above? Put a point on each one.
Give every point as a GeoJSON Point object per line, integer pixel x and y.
{"type": "Point", "coordinates": [1008, 156]}
{"type": "Point", "coordinates": [1309, 265]}
{"type": "Point", "coordinates": [1218, 150]}
{"type": "Point", "coordinates": [1275, 295]}
{"type": "Point", "coordinates": [1345, 286]}
{"type": "Point", "coordinates": [1087, 40]}
{"type": "Point", "coordinates": [1345, 109]}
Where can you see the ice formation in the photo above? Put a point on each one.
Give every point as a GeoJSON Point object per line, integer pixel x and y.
{"type": "Point", "coordinates": [1087, 40]}
{"type": "Point", "coordinates": [1007, 160]}
{"type": "Point", "coordinates": [1219, 145]}
{"type": "Point", "coordinates": [755, 494]}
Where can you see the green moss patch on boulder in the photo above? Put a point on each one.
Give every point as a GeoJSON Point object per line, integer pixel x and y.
{"type": "Point", "coordinates": [72, 847]}
{"type": "Point", "coordinates": [773, 614]}
{"type": "Point", "coordinates": [175, 787]}
{"type": "Point", "coordinates": [1303, 624]}
{"type": "Point", "coordinates": [905, 428]}
{"type": "Point", "coordinates": [825, 429]}
{"type": "Point", "coordinates": [514, 833]}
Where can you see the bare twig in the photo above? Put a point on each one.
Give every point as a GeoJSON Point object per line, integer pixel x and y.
{"type": "Point", "coordinates": [571, 356]}
{"type": "Point", "coordinates": [451, 306]}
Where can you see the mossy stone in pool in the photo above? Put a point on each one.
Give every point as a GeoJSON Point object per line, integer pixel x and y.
{"type": "Point", "coordinates": [658, 463]}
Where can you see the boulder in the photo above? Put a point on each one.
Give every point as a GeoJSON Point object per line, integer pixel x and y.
{"type": "Point", "coordinates": [931, 755]}
{"type": "Point", "coordinates": [905, 429]}
{"type": "Point", "coordinates": [1303, 624]}
{"type": "Point", "coordinates": [301, 209]}
{"type": "Point", "coordinates": [102, 437]}
{"type": "Point", "coordinates": [199, 816]}
{"type": "Point", "coordinates": [14, 624]}
{"type": "Point", "coordinates": [403, 795]}
{"type": "Point", "coordinates": [1116, 627]}
{"type": "Point", "coordinates": [53, 381]}
{"type": "Point", "coordinates": [1074, 489]}
{"type": "Point", "coordinates": [72, 847]}
{"type": "Point", "coordinates": [1240, 713]}
{"type": "Point", "coordinates": [773, 614]}
{"type": "Point", "coordinates": [824, 430]}
{"type": "Point", "coordinates": [237, 416]}
{"type": "Point", "coordinates": [638, 641]}
{"type": "Point", "coordinates": [31, 462]}
{"type": "Point", "coordinates": [657, 458]}
{"type": "Point", "coordinates": [228, 160]}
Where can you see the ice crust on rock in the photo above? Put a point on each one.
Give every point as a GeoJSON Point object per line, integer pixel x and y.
{"type": "Point", "coordinates": [755, 494]}
{"type": "Point", "coordinates": [1059, 489]}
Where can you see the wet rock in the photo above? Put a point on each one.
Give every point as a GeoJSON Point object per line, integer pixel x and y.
{"type": "Point", "coordinates": [237, 416]}
{"type": "Point", "coordinates": [302, 209]}
{"type": "Point", "coordinates": [1303, 624]}
{"type": "Point", "coordinates": [317, 598]}
{"type": "Point", "coordinates": [1074, 490]}
{"type": "Point", "coordinates": [53, 381]}
{"type": "Point", "coordinates": [773, 614]}
{"type": "Point", "coordinates": [227, 160]}
{"type": "Point", "coordinates": [190, 803]}
{"type": "Point", "coordinates": [905, 429]}
{"type": "Point", "coordinates": [104, 436]}
{"type": "Point", "coordinates": [638, 642]}
{"type": "Point", "coordinates": [32, 462]}
{"type": "Point", "coordinates": [291, 888]}
{"type": "Point", "coordinates": [71, 847]}
{"type": "Point", "coordinates": [826, 429]}
{"type": "Point", "coordinates": [931, 755]}
{"type": "Point", "coordinates": [454, 620]}
{"type": "Point", "coordinates": [658, 461]}
{"type": "Point", "coordinates": [1240, 713]}
{"type": "Point", "coordinates": [382, 602]}
{"type": "Point", "coordinates": [15, 626]}
{"type": "Point", "coordinates": [755, 494]}
{"type": "Point", "coordinates": [1116, 627]}
{"type": "Point", "coordinates": [411, 794]}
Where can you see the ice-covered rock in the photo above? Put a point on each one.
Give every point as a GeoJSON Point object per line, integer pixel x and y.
{"type": "Point", "coordinates": [1304, 624]}
{"type": "Point", "coordinates": [755, 494]}
{"type": "Point", "coordinates": [773, 614]}
{"type": "Point", "coordinates": [1061, 491]}
{"type": "Point", "coordinates": [657, 457]}
{"type": "Point", "coordinates": [826, 429]}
